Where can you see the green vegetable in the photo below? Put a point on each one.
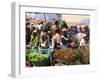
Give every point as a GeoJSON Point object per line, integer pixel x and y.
{"type": "Point", "coordinates": [37, 56]}
{"type": "Point", "coordinates": [28, 51]}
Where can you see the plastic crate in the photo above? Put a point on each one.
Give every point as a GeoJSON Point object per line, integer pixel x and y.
{"type": "Point", "coordinates": [44, 51]}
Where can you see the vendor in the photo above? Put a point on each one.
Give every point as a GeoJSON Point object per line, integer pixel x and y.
{"type": "Point", "coordinates": [56, 39]}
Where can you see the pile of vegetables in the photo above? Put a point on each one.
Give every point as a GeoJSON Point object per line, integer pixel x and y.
{"type": "Point", "coordinates": [28, 51]}
{"type": "Point", "coordinates": [37, 57]}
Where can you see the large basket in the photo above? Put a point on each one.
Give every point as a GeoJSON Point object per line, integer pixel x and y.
{"type": "Point", "coordinates": [67, 60]}
{"type": "Point", "coordinates": [45, 62]}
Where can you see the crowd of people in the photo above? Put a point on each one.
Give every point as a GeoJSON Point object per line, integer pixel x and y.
{"type": "Point", "coordinates": [53, 35]}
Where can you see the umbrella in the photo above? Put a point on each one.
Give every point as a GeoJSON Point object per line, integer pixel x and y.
{"type": "Point", "coordinates": [84, 21]}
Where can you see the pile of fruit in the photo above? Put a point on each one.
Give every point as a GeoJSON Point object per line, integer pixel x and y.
{"type": "Point", "coordinates": [68, 54]}
{"type": "Point", "coordinates": [59, 53]}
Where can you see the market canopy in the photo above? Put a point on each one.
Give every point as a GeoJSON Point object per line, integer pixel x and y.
{"type": "Point", "coordinates": [46, 16]}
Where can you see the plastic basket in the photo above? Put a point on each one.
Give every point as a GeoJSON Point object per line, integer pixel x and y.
{"type": "Point", "coordinates": [34, 50]}
{"type": "Point", "coordinates": [44, 51]}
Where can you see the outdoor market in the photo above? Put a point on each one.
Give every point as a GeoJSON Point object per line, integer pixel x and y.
{"type": "Point", "coordinates": [57, 39]}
